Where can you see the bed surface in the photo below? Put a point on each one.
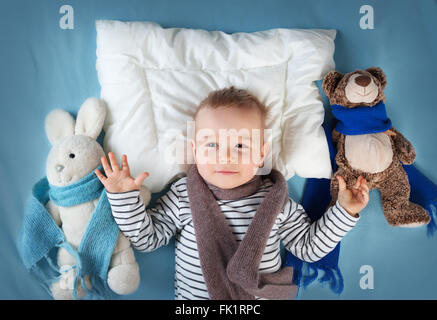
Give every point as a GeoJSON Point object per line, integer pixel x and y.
{"type": "Point", "coordinates": [45, 67]}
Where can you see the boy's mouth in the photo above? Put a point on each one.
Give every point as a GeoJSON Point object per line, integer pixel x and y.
{"type": "Point", "coordinates": [226, 172]}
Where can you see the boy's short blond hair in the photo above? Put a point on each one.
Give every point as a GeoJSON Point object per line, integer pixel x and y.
{"type": "Point", "coordinates": [235, 98]}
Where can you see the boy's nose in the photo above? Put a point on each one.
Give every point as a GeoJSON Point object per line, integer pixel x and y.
{"type": "Point", "coordinates": [223, 156]}
{"type": "Point", "coordinates": [226, 156]}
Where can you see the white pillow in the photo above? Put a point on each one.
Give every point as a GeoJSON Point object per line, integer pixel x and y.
{"type": "Point", "coordinates": [153, 78]}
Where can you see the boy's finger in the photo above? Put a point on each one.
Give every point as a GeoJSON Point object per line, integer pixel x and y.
{"type": "Point", "coordinates": [106, 166]}
{"type": "Point", "coordinates": [341, 183]}
{"type": "Point", "coordinates": [124, 164]}
{"type": "Point", "coordinates": [364, 186]}
{"type": "Point", "coordinates": [357, 183]}
{"type": "Point", "coordinates": [139, 180]}
{"type": "Point", "coordinates": [360, 197]}
{"type": "Point", "coordinates": [366, 196]}
{"type": "Point", "coordinates": [114, 163]}
{"type": "Point", "coordinates": [100, 175]}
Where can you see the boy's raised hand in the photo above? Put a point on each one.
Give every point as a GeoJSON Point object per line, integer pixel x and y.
{"type": "Point", "coordinates": [118, 179]}
{"type": "Point", "coordinates": [355, 199]}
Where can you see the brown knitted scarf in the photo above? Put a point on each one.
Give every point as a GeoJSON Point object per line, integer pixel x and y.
{"type": "Point", "coordinates": [230, 269]}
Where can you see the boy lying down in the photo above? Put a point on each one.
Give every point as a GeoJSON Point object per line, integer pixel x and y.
{"type": "Point", "coordinates": [227, 219]}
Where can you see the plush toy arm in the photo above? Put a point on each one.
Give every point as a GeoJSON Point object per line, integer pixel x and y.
{"type": "Point", "coordinates": [405, 149]}
{"type": "Point", "coordinates": [335, 136]}
{"type": "Point", "coordinates": [53, 209]}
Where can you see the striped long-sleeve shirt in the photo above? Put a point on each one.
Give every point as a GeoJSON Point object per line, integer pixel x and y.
{"type": "Point", "coordinates": [149, 228]}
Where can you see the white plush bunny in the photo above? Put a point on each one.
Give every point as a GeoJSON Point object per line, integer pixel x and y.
{"type": "Point", "coordinates": [75, 153]}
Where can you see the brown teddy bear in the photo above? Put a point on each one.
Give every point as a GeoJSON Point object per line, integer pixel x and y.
{"type": "Point", "coordinates": [369, 146]}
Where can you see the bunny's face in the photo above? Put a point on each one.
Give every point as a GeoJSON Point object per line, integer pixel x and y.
{"type": "Point", "coordinates": [71, 159]}
{"type": "Point", "coordinates": [75, 152]}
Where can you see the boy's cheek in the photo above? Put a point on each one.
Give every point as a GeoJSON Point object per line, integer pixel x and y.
{"type": "Point", "coordinates": [205, 156]}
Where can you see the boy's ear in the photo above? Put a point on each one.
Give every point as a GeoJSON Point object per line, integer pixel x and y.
{"type": "Point", "coordinates": [193, 147]}
{"type": "Point", "coordinates": [330, 82]}
{"type": "Point", "coordinates": [266, 148]}
{"type": "Point", "coordinates": [264, 152]}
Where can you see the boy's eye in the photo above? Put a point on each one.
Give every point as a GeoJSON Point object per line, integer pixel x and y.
{"type": "Point", "coordinates": [214, 145]}
{"type": "Point", "coordinates": [211, 145]}
{"type": "Point", "coordinates": [242, 146]}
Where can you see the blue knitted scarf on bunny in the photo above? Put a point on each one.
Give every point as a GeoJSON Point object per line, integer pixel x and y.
{"type": "Point", "coordinates": [315, 200]}
{"type": "Point", "coordinates": [39, 233]}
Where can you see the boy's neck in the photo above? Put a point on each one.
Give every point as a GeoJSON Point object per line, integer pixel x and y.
{"type": "Point", "coordinates": [241, 191]}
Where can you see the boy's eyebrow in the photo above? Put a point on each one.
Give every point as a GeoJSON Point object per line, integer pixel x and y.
{"type": "Point", "coordinates": [206, 137]}
{"type": "Point", "coordinates": [211, 135]}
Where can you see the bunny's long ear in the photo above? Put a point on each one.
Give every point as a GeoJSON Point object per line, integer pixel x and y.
{"type": "Point", "coordinates": [90, 118]}
{"type": "Point", "coordinates": [59, 124]}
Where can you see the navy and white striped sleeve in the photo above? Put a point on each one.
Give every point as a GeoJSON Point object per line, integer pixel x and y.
{"type": "Point", "coordinates": [312, 241]}
{"type": "Point", "coordinates": [146, 228]}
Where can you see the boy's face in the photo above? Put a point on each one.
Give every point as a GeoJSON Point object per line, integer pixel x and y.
{"type": "Point", "coordinates": [229, 140]}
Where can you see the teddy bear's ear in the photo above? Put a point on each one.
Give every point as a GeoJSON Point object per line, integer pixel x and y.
{"type": "Point", "coordinates": [90, 118]}
{"type": "Point", "coordinates": [378, 74]}
{"type": "Point", "coordinates": [330, 82]}
{"type": "Point", "coordinates": [58, 125]}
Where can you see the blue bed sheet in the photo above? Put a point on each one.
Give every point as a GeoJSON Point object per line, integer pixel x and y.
{"type": "Point", "coordinates": [44, 67]}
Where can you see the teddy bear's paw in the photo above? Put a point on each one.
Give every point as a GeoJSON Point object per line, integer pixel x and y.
{"type": "Point", "coordinates": [124, 278]}
{"type": "Point", "coordinates": [412, 225]}
{"type": "Point", "coordinates": [409, 216]}
{"type": "Point", "coordinates": [420, 222]}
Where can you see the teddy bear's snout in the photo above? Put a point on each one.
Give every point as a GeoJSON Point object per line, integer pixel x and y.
{"type": "Point", "coordinates": [59, 167]}
{"type": "Point", "coordinates": [363, 81]}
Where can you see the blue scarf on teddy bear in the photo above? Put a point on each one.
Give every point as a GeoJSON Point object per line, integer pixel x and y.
{"type": "Point", "coordinates": [361, 120]}
{"type": "Point", "coordinates": [39, 234]}
{"type": "Point", "coordinates": [316, 197]}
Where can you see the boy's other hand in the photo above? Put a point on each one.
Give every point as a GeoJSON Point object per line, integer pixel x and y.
{"type": "Point", "coordinates": [354, 199]}
{"type": "Point", "coordinates": [118, 179]}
